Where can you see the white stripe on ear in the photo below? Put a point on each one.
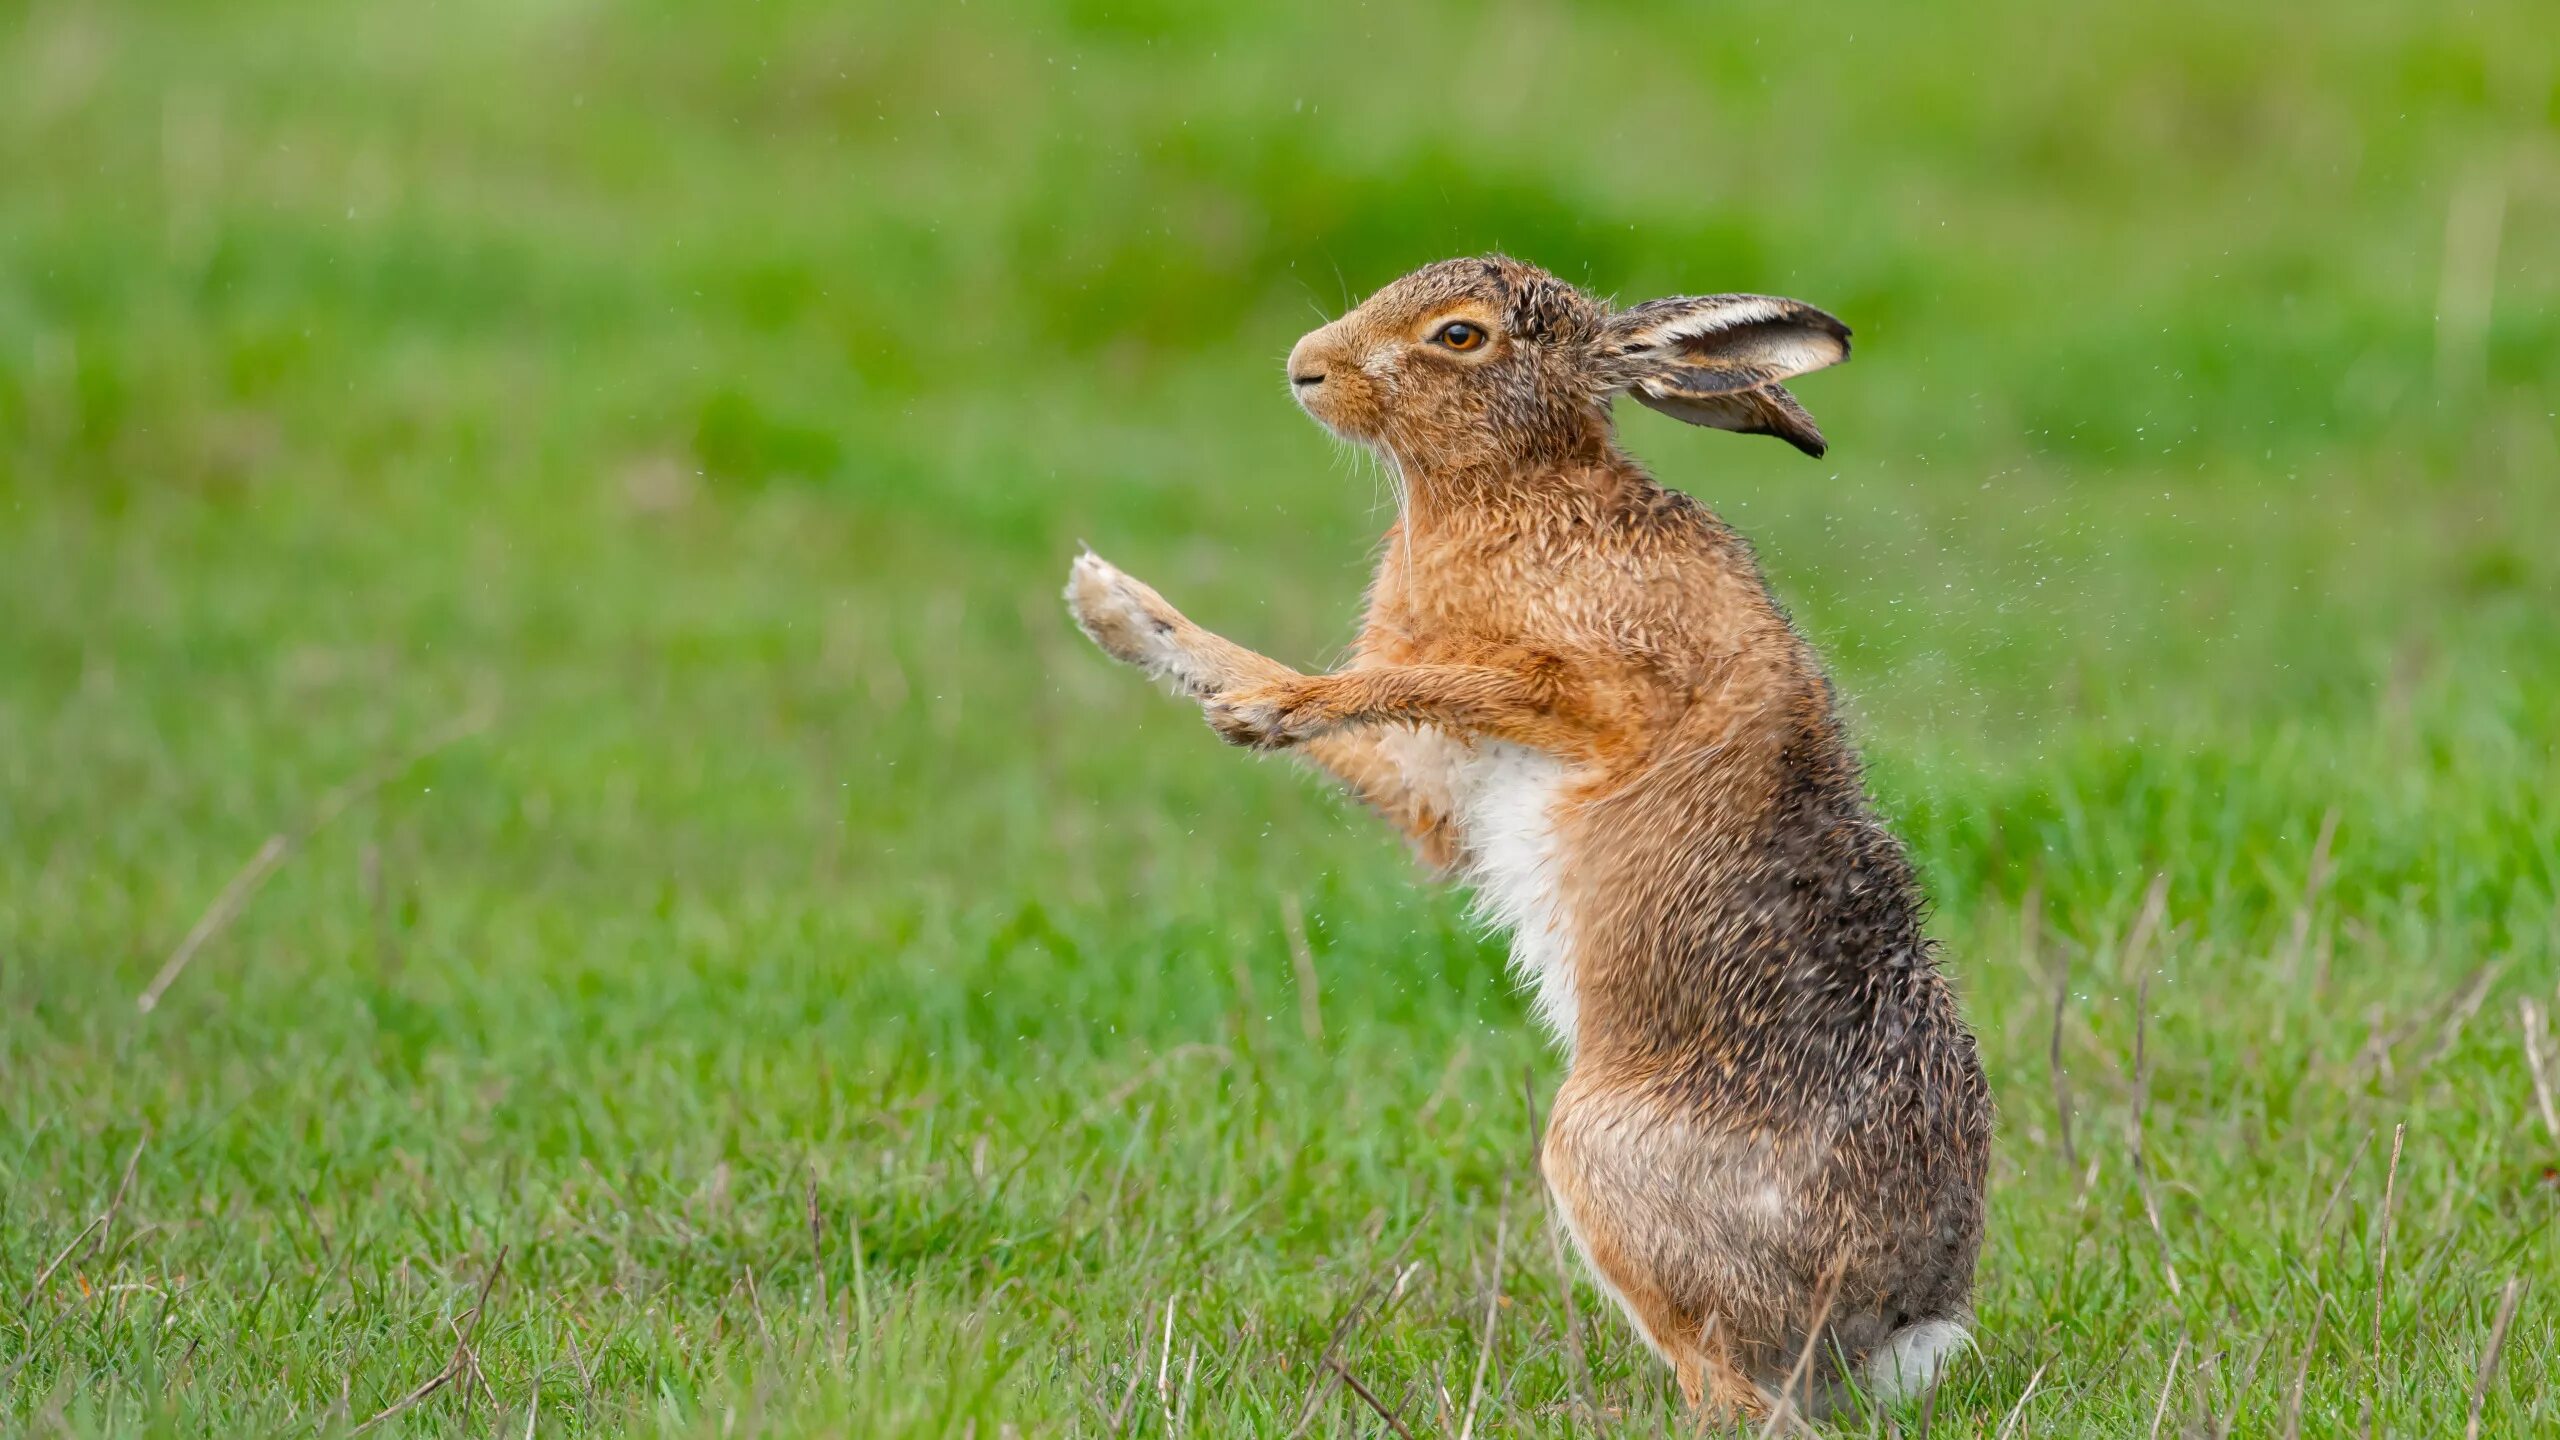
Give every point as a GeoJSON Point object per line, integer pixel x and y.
{"type": "Point", "coordinates": [1714, 313]}
{"type": "Point", "coordinates": [1716, 360]}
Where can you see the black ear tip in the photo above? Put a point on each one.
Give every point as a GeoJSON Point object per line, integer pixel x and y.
{"type": "Point", "coordinates": [1813, 445]}
{"type": "Point", "coordinates": [1814, 317]}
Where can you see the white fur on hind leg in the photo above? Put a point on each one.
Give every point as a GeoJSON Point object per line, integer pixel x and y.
{"type": "Point", "coordinates": [1907, 1365]}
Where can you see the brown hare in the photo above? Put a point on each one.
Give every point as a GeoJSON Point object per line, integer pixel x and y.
{"type": "Point", "coordinates": [1573, 688]}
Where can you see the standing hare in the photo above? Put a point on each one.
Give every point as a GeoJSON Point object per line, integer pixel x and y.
{"type": "Point", "coordinates": [1574, 688]}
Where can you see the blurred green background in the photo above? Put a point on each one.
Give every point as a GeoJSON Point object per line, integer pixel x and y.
{"type": "Point", "coordinates": [706, 400]}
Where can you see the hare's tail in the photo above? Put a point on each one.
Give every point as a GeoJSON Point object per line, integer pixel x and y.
{"type": "Point", "coordinates": [1907, 1365]}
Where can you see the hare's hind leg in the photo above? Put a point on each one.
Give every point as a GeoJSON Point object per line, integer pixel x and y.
{"type": "Point", "coordinates": [1623, 1240]}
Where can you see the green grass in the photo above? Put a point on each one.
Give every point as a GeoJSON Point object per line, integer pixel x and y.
{"type": "Point", "coordinates": [711, 397]}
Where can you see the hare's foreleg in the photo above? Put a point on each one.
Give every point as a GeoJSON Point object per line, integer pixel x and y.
{"type": "Point", "coordinates": [1522, 703]}
{"type": "Point", "coordinates": [1135, 625]}
{"type": "Point", "coordinates": [1423, 810]}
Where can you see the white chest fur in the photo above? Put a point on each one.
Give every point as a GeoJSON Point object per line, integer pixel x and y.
{"type": "Point", "coordinates": [1503, 796]}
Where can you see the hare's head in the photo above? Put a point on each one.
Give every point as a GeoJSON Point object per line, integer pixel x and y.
{"type": "Point", "coordinates": [1490, 361]}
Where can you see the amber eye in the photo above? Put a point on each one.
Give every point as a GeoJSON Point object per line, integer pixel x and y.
{"type": "Point", "coordinates": [1459, 335]}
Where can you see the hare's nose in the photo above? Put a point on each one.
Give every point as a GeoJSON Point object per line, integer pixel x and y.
{"type": "Point", "coordinates": [1309, 360]}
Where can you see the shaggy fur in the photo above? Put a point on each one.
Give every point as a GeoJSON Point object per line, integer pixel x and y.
{"type": "Point", "coordinates": [1574, 688]}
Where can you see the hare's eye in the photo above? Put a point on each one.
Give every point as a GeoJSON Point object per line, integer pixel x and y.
{"type": "Point", "coordinates": [1459, 335]}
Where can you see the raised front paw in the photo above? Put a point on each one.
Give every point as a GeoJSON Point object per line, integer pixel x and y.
{"type": "Point", "coordinates": [1267, 717]}
{"type": "Point", "coordinates": [1131, 622]}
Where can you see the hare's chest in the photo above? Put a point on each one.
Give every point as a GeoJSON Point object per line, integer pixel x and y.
{"type": "Point", "coordinates": [1503, 798]}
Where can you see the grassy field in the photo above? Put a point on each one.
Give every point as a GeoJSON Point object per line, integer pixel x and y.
{"type": "Point", "coordinates": [560, 508]}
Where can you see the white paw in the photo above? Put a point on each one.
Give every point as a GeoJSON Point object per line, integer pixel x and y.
{"type": "Point", "coordinates": [1131, 622]}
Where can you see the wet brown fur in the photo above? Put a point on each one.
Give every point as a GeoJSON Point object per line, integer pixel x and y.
{"type": "Point", "coordinates": [1774, 1110]}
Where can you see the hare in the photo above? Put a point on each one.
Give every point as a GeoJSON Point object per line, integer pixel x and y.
{"type": "Point", "coordinates": [1573, 688]}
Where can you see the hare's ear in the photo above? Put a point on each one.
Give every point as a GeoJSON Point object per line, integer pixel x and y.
{"type": "Point", "coordinates": [1717, 359]}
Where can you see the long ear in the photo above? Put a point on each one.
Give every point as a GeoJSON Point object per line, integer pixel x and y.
{"type": "Point", "coordinates": [1717, 359]}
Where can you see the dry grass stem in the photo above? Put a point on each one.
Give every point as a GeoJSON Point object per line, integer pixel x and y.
{"type": "Point", "coordinates": [2488, 1368]}
{"type": "Point", "coordinates": [1302, 959]}
{"type": "Point", "coordinates": [279, 847]}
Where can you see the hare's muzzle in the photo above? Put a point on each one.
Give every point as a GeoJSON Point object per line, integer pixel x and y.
{"type": "Point", "coordinates": [1326, 383]}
